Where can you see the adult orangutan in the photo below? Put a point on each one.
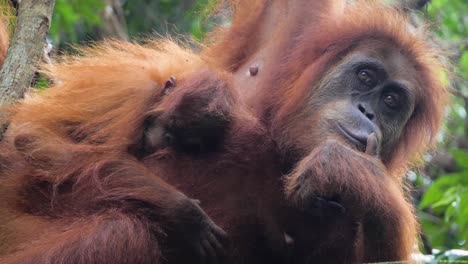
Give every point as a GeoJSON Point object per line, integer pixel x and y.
{"type": "Point", "coordinates": [292, 129]}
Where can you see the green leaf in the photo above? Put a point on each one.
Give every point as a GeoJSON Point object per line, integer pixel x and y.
{"type": "Point", "coordinates": [462, 218]}
{"type": "Point", "coordinates": [461, 157]}
{"type": "Point", "coordinates": [450, 213]}
{"type": "Point", "coordinates": [464, 64]}
{"type": "Point", "coordinates": [438, 189]}
{"type": "Point", "coordinates": [434, 229]}
{"type": "Point", "coordinates": [448, 198]}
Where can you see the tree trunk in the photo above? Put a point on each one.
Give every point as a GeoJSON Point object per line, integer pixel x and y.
{"type": "Point", "coordinates": [26, 50]}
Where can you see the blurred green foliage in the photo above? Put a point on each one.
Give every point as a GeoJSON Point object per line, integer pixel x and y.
{"type": "Point", "coordinates": [444, 206]}
{"type": "Point", "coordinates": [452, 18]}
{"type": "Point", "coordinates": [447, 198]}
{"type": "Point", "coordinates": [71, 16]}
{"type": "Point", "coordinates": [75, 20]}
{"type": "Point", "coordinates": [168, 16]}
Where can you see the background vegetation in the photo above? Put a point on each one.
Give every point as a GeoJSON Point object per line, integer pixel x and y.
{"type": "Point", "coordinates": [440, 189]}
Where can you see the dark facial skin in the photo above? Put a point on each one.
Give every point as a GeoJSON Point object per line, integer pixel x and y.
{"type": "Point", "coordinates": [370, 92]}
{"type": "Point", "coordinates": [377, 103]}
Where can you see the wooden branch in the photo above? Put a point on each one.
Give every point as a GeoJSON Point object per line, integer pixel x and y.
{"type": "Point", "coordinates": [421, 4]}
{"type": "Point", "coordinates": [26, 49]}
{"type": "Point", "coordinates": [114, 25]}
{"type": "Point", "coordinates": [458, 93]}
{"type": "Point", "coordinates": [412, 5]}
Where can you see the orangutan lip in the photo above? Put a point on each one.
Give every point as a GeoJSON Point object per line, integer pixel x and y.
{"type": "Point", "coordinates": [351, 137]}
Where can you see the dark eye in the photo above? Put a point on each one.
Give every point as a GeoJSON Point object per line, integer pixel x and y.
{"type": "Point", "coordinates": [392, 100]}
{"type": "Point", "coordinates": [368, 77]}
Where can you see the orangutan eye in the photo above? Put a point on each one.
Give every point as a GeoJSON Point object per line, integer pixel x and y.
{"type": "Point", "coordinates": [368, 77]}
{"type": "Point", "coordinates": [392, 100]}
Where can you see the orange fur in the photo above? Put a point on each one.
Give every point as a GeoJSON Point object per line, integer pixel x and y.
{"type": "Point", "coordinates": [67, 165]}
